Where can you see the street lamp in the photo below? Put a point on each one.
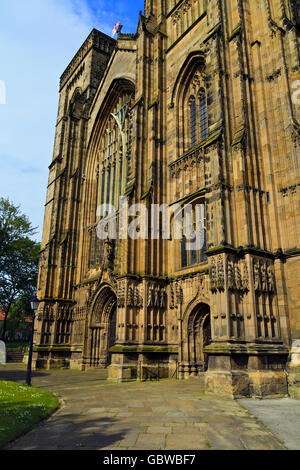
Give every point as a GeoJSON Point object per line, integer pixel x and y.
{"type": "Point", "coordinates": [34, 306]}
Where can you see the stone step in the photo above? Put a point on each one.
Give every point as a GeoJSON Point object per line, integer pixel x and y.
{"type": "Point", "coordinates": [14, 356]}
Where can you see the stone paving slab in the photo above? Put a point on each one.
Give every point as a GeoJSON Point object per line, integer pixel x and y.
{"type": "Point", "coordinates": [97, 414]}
{"type": "Point", "coordinates": [282, 416]}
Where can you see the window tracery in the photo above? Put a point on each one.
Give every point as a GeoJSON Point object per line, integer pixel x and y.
{"type": "Point", "coordinates": [193, 119]}
{"type": "Point", "coordinates": [193, 243]}
{"type": "Point", "coordinates": [112, 170]}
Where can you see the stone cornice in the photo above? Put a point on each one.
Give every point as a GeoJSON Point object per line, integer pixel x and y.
{"type": "Point", "coordinates": [212, 138]}
{"type": "Point", "coordinates": [144, 348]}
{"type": "Point", "coordinates": [253, 349]}
{"type": "Point", "coordinates": [240, 251]}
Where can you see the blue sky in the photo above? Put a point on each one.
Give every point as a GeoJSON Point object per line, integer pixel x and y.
{"type": "Point", "coordinates": [38, 38]}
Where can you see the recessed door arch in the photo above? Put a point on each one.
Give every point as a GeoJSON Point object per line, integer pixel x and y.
{"type": "Point", "coordinates": [102, 328]}
{"type": "Point", "coordinates": [197, 335]}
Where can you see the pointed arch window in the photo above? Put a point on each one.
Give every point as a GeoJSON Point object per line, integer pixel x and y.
{"type": "Point", "coordinates": [192, 110]}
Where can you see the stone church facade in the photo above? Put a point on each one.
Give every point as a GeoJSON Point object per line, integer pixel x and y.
{"type": "Point", "coordinates": [198, 109]}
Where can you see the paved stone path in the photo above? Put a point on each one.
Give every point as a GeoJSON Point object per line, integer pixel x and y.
{"type": "Point", "coordinates": [282, 416]}
{"type": "Point", "coordinates": [169, 414]}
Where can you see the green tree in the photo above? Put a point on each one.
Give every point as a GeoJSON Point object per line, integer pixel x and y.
{"type": "Point", "coordinates": [19, 257]}
{"type": "Point", "coordinates": [18, 314]}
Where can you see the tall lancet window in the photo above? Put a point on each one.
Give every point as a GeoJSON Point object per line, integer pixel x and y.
{"type": "Point", "coordinates": [203, 115]}
{"type": "Point", "coordinates": [193, 121]}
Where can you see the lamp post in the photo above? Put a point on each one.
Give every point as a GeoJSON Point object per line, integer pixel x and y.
{"type": "Point", "coordinates": [34, 306]}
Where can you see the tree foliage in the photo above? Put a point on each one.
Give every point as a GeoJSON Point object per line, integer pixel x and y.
{"type": "Point", "coordinates": [19, 256]}
{"type": "Point", "coordinates": [17, 319]}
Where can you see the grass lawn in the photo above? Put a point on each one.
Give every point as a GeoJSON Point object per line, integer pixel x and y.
{"type": "Point", "coordinates": [21, 408]}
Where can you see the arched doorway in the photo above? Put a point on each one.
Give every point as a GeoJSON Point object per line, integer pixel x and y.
{"type": "Point", "coordinates": [198, 336]}
{"type": "Point", "coordinates": [102, 328]}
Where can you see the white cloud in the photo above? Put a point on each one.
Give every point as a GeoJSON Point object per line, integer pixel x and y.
{"type": "Point", "coordinates": [38, 38]}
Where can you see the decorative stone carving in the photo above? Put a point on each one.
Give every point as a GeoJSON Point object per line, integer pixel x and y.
{"type": "Point", "coordinates": [157, 297]}
{"type": "Point", "coordinates": [130, 296]}
{"type": "Point", "coordinates": [107, 255]}
{"type": "Point", "coordinates": [176, 295]}
{"type": "Point", "coordinates": [271, 278]}
{"type": "Point", "coordinates": [179, 294]}
{"type": "Point", "coordinates": [238, 278]}
{"type": "Point", "coordinates": [64, 312]}
{"type": "Point", "coordinates": [256, 273]}
{"type": "Point", "coordinates": [121, 294]}
{"type": "Point", "coordinates": [221, 275]}
{"type": "Point", "coordinates": [264, 277]}
{"type": "Point", "coordinates": [237, 275]}
{"type": "Point", "coordinates": [245, 277]}
{"type": "Point", "coordinates": [91, 291]}
{"type": "Point", "coordinates": [213, 276]}
{"type": "Point", "coordinates": [187, 162]}
{"type": "Point", "coordinates": [134, 296]}
{"type": "Point", "coordinates": [203, 287]}
{"type": "Point", "coordinates": [46, 314]}
{"type": "Point", "coordinates": [172, 297]}
{"type": "Point", "coordinates": [163, 298]}
{"type": "Point", "coordinates": [230, 275]}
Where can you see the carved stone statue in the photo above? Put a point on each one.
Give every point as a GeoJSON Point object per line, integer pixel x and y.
{"type": "Point", "coordinates": [271, 278]}
{"type": "Point", "coordinates": [257, 279]}
{"type": "Point", "coordinates": [264, 279]}
{"type": "Point", "coordinates": [220, 274]}
{"type": "Point", "coordinates": [107, 254]}
{"type": "Point", "coordinates": [230, 275]}
{"type": "Point", "coordinates": [156, 296]}
{"type": "Point", "coordinates": [163, 298]}
{"type": "Point", "coordinates": [150, 297]}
